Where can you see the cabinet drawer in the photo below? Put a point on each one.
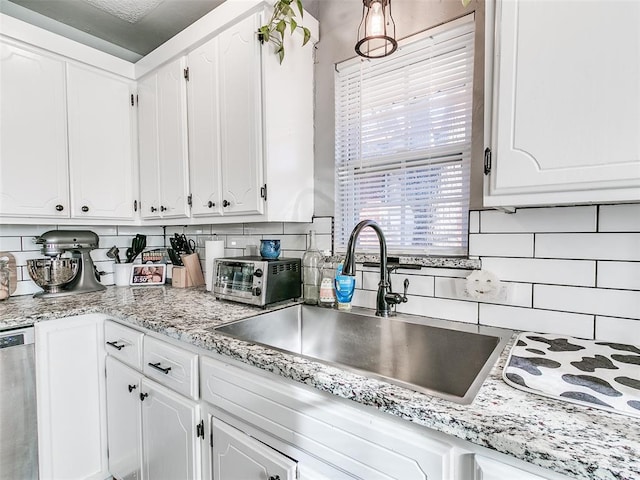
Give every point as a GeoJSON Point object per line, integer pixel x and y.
{"type": "Point", "coordinates": [124, 343]}
{"type": "Point", "coordinates": [171, 366]}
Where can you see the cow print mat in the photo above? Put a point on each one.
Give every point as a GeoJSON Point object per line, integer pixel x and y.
{"type": "Point", "coordinates": [595, 373]}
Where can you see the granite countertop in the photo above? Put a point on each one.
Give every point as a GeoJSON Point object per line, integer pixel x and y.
{"type": "Point", "coordinates": [573, 440]}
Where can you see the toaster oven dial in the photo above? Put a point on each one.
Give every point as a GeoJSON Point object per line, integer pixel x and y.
{"type": "Point", "coordinates": [257, 291]}
{"type": "Point", "coordinates": [257, 273]}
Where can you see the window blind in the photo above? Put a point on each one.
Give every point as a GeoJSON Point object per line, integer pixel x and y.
{"type": "Point", "coordinates": [403, 144]}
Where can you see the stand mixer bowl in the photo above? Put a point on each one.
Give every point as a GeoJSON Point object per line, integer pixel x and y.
{"type": "Point", "coordinates": [52, 274]}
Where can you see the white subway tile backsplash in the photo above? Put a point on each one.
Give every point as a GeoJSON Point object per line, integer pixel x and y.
{"type": "Point", "coordinates": [557, 272]}
{"type": "Point", "coordinates": [516, 294]}
{"type": "Point", "coordinates": [293, 242]}
{"type": "Point", "coordinates": [321, 225]}
{"type": "Point", "coordinates": [619, 218]}
{"type": "Point", "coordinates": [474, 222]}
{"type": "Point", "coordinates": [542, 321]}
{"type": "Point", "coordinates": [622, 275]}
{"type": "Point", "coordinates": [132, 230]}
{"type": "Point", "coordinates": [227, 229]}
{"type": "Point", "coordinates": [97, 229]}
{"type": "Point", "coordinates": [242, 242]}
{"type": "Point", "coordinates": [598, 301]}
{"type": "Point", "coordinates": [445, 272]}
{"type": "Point", "coordinates": [418, 284]}
{"type": "Point", "coordinates": [598, 246]}
{"type": "Point", "coordinates": [456, 310]}
{"type": "Point", "coordinates": [10, 230]}
{"type": "Point", "coordinates": [26, 287]}
{"type": "Point", "coordinates": [559, 219]}
{"type": "Point", "coordinates": [10, 244]}
{"type": "Point", "coordinates": [622, 330]}
{"type": "Point", "coordinates": [576, 250]}
{"type": "Point", "coordinates": [501, 245]}
{"type": "Point", "coordinates": [275, 228]}
{"type": "Point", "coordinates": [324, 242]}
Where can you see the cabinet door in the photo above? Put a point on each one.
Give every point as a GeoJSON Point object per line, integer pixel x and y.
{"type": "Point", "coordinates": [566, 103]}
{"type": "Point", "coordinates": [237, 456]}
{"type": "Point", "coordinates": [241, 114]}
{"type": "Point", "coordinates": [204, 130]}
{"type": "Point", "coordinates": [170, 445]}
{"type": "Point", "coordinates": [101, 160]}
{"type": "Point", "coordinates": [124, 420]}
{"type": "Point", "coordinates": [489, 469]}
{"type": "Point", "coordinates": [33, 134]}
{"type": "Point", "coordinates": [70, 365]}
{"type": "Point", "coordinates": [172, 139]}
{"type": "Point", "coordinates": [148, 147]}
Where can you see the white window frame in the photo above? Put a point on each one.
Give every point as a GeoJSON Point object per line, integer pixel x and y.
{"type": "Point", "coordinates": [386, 172]}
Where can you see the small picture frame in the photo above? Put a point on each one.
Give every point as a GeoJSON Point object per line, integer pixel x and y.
{"type": "Point", "coordinates": [148, 274]}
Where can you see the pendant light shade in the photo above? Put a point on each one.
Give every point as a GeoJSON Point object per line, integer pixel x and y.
{"type": "Point", "coordinates": [377, 30]}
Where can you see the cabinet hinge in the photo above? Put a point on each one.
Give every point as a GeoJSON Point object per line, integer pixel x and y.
{"type": "Point", "coordinates": [190, 200]}
{"type": "Point", "coordinates": [487, 161]}
{"type": "Point", "coordinates": [132, 100]}
{"type": "Point", "coordinates": [211, 438]}
{"type": "Point", "coordinates": [263, 192]}
{"type": "Point", "coordinates": [186, 74]}
{"type": "Point", "coordinates": [135, 205]}
{"type": "Point", "coordinates": [200, 429]}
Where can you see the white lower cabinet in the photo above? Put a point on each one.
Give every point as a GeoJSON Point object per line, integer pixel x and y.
{"type": "Point", "coordinates": [237, 456]}
{"type": "Point", "coordinates": [155, 433]}
{"type": "Point", "coordinates": [336, 440]}
{"type": "Point", "coordinates": [171, 434]}
{"type": "Point", "coordinates": [124, 421]}
{"type": "Point", "coordinates": [71, 410]}
{"type": "Point", "coordinates": [489, 469]}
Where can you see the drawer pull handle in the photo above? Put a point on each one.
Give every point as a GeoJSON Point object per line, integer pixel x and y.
{"type": "Point", "coordinates": [132, 388]}
{"type": "Point", "coordinates": [158, 367]}
{"type": "Point", "coordinates": [115, 345]}
{"type": "Point", "coordinates": [143, 396]}
{"type": "Point", "coordinates": [274, 477]}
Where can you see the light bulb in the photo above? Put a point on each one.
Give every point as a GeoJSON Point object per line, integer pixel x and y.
{"type": "Point", "coordinates": [376, 21]}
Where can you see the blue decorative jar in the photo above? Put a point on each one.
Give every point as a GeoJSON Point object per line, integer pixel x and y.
{"type": "Point", "coordinates": [270, 249]}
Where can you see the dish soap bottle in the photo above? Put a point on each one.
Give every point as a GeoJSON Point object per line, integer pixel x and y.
{"type": "Point", "coordinates": [327, 293]}
{"type": "Point", "coordinates": [311, 261]}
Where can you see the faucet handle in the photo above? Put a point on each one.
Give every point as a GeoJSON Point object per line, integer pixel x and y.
{"type": "Point", "coordinates": [406, 288]}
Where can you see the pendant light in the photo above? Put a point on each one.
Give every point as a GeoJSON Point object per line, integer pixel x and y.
{"type": "Point", "coordinates": [377, 30]}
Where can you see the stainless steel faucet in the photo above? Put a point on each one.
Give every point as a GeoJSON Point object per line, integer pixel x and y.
{"type": "Point", "coordinates": [385, 298]}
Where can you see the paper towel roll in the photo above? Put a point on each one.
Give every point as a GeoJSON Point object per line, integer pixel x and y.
{"type": "Point", "coordinates": [212, 249]}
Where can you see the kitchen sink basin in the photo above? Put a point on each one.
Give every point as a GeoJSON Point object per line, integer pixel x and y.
{"type": "Point", "coordinates": [445, 359]}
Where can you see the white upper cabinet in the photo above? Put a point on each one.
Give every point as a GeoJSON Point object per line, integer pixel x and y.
{"type": "Point", "coordinates": [101, 148]}
{"type": "Point", "coordinates": [34, 178]}
{"type": "Point", "coordinates": [67, 144]}
{"type": "Point", "coordinates": [204, 130]}
{"type": "Point", "coordinates": [251, 127]}
{"type": "Point", "coordinates": [241, 111]}
{"type": "Point", "coordinates": [225, 123]}
{"type": "Point", "coordinates": [566, 103]}
{"type": "Point", "coordinates": [162, 126]}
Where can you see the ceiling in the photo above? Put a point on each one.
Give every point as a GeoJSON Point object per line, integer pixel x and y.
{"type": "Point", "coordinates": [128, 29]}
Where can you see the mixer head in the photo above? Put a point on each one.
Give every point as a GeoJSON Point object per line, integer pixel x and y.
{"type": "Point", "coordinates": [55, 242]}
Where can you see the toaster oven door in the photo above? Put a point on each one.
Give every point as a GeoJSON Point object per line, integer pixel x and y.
{"type": "Point", "coordinates": [235, 281]}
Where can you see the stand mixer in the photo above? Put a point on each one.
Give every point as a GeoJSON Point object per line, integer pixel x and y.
{"type": "Point", "coordinates": [58, 275]}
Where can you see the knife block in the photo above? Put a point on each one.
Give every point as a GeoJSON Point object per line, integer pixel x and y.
{"type": "Point", "coordinates": [193, 269]}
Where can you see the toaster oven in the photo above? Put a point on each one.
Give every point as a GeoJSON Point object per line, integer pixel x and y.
{"type": "Point", "coordinates": [256, 280]}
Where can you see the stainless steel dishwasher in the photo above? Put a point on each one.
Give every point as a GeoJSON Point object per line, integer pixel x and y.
{"type": "Point", "coordinates": [18, 426]}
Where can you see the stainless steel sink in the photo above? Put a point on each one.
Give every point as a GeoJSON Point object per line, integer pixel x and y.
{"type": "Point", "coordinates": [446, 359]}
